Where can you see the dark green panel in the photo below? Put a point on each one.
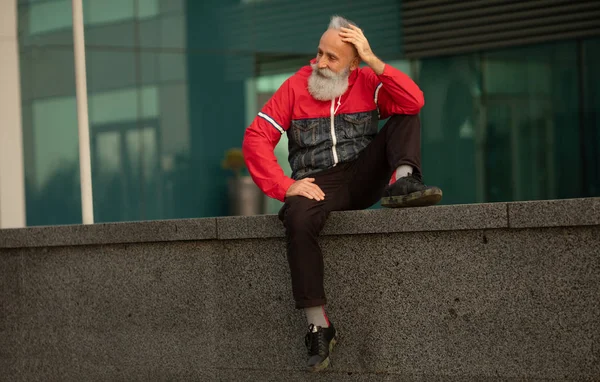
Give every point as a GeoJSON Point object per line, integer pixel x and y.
{"type": "Point", "coordinates": [539, 85]}
{"type": "Point", "coordinates": [287, 26]}
{"type": "Point", "coordinates": [450, 126]}
{"type": "Point", "coordinates": [498, 154]}
{"type": "Point", "coordinates": [514, 134]}
{"type": "Point", "coordinates": [591, 115]}
{"type": "Point", "coordinates": [217, 123]}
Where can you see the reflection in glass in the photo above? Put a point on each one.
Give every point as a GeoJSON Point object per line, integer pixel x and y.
{"type": "Point", "coordinates": [49, 16]}
{"type": "Point", "coordinates": [173, 85]}
{"type": "Point", "coordinates": [505, 122]}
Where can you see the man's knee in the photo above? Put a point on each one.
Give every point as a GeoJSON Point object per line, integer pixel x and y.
{"type": "Point", "coordinates": [301, 214]}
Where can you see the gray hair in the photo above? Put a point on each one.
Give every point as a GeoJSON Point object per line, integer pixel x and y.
{"type": "Point", "coordinates": [338, 22]}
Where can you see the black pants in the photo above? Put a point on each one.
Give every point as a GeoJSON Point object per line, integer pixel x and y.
{"type": "Point", "coordinates": [348, 186]}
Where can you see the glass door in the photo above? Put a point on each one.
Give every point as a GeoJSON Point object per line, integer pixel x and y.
{"type": "Point", "coordinates": [126, 172]}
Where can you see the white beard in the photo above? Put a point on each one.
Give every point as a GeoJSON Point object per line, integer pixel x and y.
{"type": "Point", "coordinates": [325, 85]}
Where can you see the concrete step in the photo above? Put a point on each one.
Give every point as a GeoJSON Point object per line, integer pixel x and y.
{"type": "Point", "coordinates": [471, 292]}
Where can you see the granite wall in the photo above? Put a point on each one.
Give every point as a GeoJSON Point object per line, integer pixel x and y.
{"type": "Point", "coordinates": [475, 292]}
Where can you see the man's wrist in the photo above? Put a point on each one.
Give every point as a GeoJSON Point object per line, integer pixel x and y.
{"type": "Point", "coordinates": [286, 184]}
{"type": "Point", "coordinates": [376, 64]}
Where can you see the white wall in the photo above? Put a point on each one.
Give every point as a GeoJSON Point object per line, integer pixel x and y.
{"type": "Point", "coordinates": [12, 185]}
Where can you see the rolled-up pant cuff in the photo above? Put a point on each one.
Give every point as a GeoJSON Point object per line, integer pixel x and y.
{"type": "Point", "coordinates": [301, 304]}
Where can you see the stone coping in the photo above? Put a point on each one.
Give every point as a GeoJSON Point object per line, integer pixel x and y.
{"type": "Point", "coordinates": [531, 214]}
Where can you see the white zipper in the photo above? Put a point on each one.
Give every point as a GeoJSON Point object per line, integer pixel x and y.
{"type": "Point", "coordinates": [333, 137]}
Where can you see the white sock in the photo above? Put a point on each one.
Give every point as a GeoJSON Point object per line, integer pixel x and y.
{"type": "Point", "coordinates": [316, 315]}
{"type": "Point", "coordinates": [403, 171]}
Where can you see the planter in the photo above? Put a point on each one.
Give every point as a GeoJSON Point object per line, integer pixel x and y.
{"type": "Point", "coordinates": [245, 198]}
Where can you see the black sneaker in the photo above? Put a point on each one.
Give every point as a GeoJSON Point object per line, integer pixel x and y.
{"type": "Point", "coordinates": [409, 191]}
{"type": "Point", "coordinates": [319, 342]}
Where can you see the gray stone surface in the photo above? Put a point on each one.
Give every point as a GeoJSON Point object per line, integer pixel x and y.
{"type": "Point", "coordinates": [113, 312]}
{"type": "Point", "coordinates": [78, 369]}
{"type": "Point", "coordinates": [465, 305]}
{"type": "Point", "coordinates": [249, 227]}
{"type": "Point", "coordinates": [131, 232]}
{"type": "Point", "coordinates": [474, 305]}
{"type": "Point", "coordinates": [439, 218]}
{"type": "Point", "coordinates": [249, 375]}
{"type": "Point", "coordinates": [488, 304]}
{"type": "Point", "coordinates": [10, 289]}
{"type": "Point", "coordinates": [554, 213]}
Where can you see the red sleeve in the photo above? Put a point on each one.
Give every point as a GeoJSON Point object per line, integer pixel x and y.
{"type": "Point", "coordinates": [396, 93]}
{"type": "Point", "coordinates": [260, 140]}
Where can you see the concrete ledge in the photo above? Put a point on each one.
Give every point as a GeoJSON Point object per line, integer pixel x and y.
{"type": "Point", "coordinates": [249, 227]}
{"type": "Point", "coordinates": [112, 233]}
{"type": "Point", "coordinates": [432, 294]}
{"type": "Point", "coordinates": [554, 213]}
{"type": "Point", "coordinates": [439, 218]}
{"type": "Point", "coordinates": [469, 305]}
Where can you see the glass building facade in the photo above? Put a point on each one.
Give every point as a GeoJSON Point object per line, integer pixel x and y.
{"type": "Point", "coordinates": [173, 84]}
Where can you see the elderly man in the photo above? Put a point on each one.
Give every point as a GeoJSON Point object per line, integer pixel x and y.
{"type": "Point", "coordinates": [330, 111]}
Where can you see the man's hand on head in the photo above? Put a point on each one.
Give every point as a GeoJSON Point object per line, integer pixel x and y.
{"type": "Point", "coordinates": [354, 35]}
{"type": "Point", "coordinates": [307, 188]}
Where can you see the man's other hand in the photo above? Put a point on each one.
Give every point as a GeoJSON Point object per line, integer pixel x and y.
{"type": "Point", "coordinates": [307, 188]}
